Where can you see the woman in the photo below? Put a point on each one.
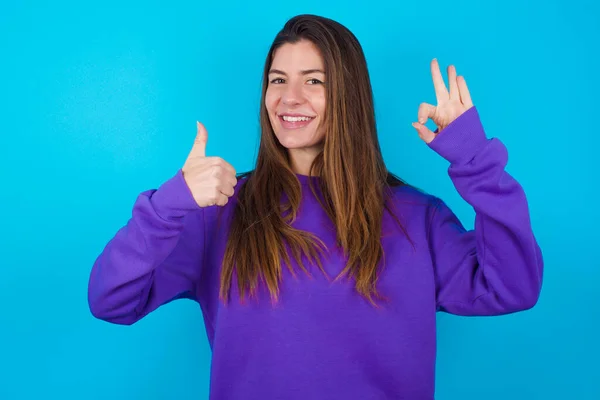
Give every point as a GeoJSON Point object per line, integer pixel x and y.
{"type": "Point", "coordinates": [319, 274]}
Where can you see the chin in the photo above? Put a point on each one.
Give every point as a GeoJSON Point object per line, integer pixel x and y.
{"type": "Point", "coordinates": [290, 141]}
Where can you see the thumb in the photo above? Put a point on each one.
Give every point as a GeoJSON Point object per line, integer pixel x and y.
{"type": "Point", "coordinates": [424, 132]}
{"type": "Point", "coordinates": [199, 147]}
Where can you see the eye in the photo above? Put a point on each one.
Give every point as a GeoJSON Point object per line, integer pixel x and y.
{"type": "Point", "coordinates": [315, 81]}
{"type": "Point", "coordinates": [277, 80]}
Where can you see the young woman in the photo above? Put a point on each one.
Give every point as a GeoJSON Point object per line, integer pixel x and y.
{"type": "Point", "coordinates": [319, 273]}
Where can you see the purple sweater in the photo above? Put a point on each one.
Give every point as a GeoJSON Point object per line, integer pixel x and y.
{"type": "Point", "coordinates": [323, 340]}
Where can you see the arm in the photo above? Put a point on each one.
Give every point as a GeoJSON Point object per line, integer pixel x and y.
{"type": "Point", "coordinates": [155, 258]}
{"type": "Point", "coordinates": [497, 267]}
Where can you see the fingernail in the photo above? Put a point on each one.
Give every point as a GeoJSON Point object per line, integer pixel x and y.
{"type": "Point", "coordinates": [422, 120]}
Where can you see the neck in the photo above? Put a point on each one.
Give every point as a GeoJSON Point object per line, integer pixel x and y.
{"type": "Point", "coordinates": [302, 159]}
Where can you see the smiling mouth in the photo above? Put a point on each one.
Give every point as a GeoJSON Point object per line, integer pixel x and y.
{"type": "Point", "coordinates": [289, 118]}
{"type": "Point", "coordinates": [294, 121]}
{"type": "Point", "coordinates": [289, 122]}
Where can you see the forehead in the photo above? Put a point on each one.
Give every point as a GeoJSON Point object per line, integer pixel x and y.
{"type": "Point", "coordinates": [301, 55]}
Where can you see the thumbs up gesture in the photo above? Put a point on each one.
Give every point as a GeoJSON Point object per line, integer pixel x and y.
{"type": "Point", "coordinates": [210, 179]}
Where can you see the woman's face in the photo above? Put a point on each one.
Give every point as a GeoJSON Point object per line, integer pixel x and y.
{"type": "Point", "coordinates": [295, 98]}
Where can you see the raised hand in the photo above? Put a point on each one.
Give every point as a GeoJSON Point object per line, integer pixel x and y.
{"type": "Point", "coordinates": [210, 179]}
{"type": "Point", "coordinates": [450, 104]}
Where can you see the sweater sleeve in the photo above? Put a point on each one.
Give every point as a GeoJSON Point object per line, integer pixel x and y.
{"type": "Point", "coordinates": [154, 258]}
{"type": "Point", "coordinates": [497, 267]}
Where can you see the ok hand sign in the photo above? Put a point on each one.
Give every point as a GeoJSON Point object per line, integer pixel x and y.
{"type": "Point", "coordinates": [450, 105]}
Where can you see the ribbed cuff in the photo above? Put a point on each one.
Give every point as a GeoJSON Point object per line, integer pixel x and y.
{"type": "Point", "coordinates": [460, 141]}
{"type": "Point", "coordinates": [174, 198]}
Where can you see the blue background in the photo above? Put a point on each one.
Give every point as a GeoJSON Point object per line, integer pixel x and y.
{"type": "Point", "coordinates": [99, 102]}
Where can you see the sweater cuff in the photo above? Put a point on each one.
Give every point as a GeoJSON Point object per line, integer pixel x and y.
{"type": "Point", "coordinates": [174, 198]}
{"type": "Point", "coordinates": [460, 141]}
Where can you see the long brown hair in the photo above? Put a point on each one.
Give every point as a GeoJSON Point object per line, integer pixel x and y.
{"type": "Point", "coordinates": [354, 181]}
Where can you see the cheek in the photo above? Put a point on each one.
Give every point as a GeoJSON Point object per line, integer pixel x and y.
{"type": "Point", "coordinates": [320, 108]}
{"type": "Point", "coordinates": [271, 106]}
{"type": "Point", "coordinates": [271, 100]}
{"type": "Point", "coordinates": [318, 104]}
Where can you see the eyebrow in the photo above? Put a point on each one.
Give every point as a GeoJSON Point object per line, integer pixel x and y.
{"type": "Point", "coordinates": [303, 72]}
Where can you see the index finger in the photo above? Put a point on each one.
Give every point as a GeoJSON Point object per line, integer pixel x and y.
{"type": "Point", "coordinates": [228, 167]}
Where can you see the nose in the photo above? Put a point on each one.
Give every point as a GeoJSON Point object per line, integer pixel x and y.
{"type": "Point", "coordinates": [292, 95]}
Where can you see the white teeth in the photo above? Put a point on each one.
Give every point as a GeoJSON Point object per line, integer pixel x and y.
{"type": "Point", "coordinates": [295, 119]}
